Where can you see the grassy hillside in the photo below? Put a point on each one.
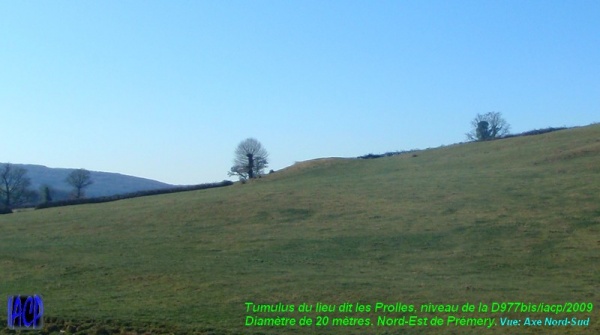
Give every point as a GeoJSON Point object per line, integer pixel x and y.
{"type": "Point", "coordinates": [509, 220]}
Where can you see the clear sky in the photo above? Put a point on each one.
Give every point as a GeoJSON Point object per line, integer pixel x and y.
{"type": "Point", "coordinates": [167, 89]}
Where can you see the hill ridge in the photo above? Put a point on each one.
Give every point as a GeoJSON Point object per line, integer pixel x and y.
{"type": "Point", "coordinates": [105, 183]}
{"type": "Point", "coordinates": [482, 222]}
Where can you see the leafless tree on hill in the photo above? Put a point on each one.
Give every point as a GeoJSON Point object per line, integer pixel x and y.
{"type": "Point", "coordinates": [79, 180]}
{"type": "Point", "coordinates": [488, 127]}
{"type": "Point", "coordinates": [250, 160]}
{"type": "Point", "coordinates": [14, 186]}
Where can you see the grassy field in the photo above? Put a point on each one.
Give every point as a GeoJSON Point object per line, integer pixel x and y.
{"type": "Point", "coordinates": [502, 221]}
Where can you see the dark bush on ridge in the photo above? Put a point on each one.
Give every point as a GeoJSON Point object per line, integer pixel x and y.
{"type": "Point", "coordinates": [387, 154]}
{"type": "Point", "coordinates": [4, 209]}
{"type": "Point", "coordinates": [370, 156]}
{"type": "Point", "coordinates": [132, 195]}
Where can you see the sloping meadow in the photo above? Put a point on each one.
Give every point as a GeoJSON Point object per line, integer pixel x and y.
{"type": "Point", "coordinates": [514, 220]}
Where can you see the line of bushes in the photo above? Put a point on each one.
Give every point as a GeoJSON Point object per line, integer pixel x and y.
{"type": "Point", "coordinates": [387, 154]}
{"type": "Point", "coordinates": [527, 133]}
{"type": "Point", "coordinates": [535, 132]}
{"type": "Point", "coordinates": [132, 195]}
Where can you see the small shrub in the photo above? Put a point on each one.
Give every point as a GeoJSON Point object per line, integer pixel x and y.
{"type": "Point", "coordinates": [5, 210]}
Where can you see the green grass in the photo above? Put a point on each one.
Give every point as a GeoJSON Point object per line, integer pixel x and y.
{"type": "Point", "coordinates": [510, 220]}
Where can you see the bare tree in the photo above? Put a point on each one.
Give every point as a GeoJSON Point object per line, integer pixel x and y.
{"type": "Point", "coordinates": [488, 126]}
{"type": "Point", "coordinates": [14, 186]}
{"type": "Point", "coordinates": [79, 180]}
{"type": "Point", "coordinates": [250, 160]}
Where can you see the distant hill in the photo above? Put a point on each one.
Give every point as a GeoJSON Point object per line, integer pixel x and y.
{"type": "Point", "coordinates": [105, 183]}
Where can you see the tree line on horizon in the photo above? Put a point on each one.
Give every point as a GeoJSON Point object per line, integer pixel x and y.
{"type": "Point", "coordinates": [250, 162]}
{"type": "Point", "coordinates": [15, 187]}
{"type": "Point", "coordinates": [251, 158]}
{"type": "Point", "coordinates": [485, 127]}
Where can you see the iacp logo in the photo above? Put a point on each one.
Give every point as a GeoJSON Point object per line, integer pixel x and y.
{"type": "Point", "coordinates": [25, 312]}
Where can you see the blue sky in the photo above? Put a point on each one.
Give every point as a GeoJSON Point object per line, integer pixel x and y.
{"type": "Point", "coordinates": [167, 89]}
